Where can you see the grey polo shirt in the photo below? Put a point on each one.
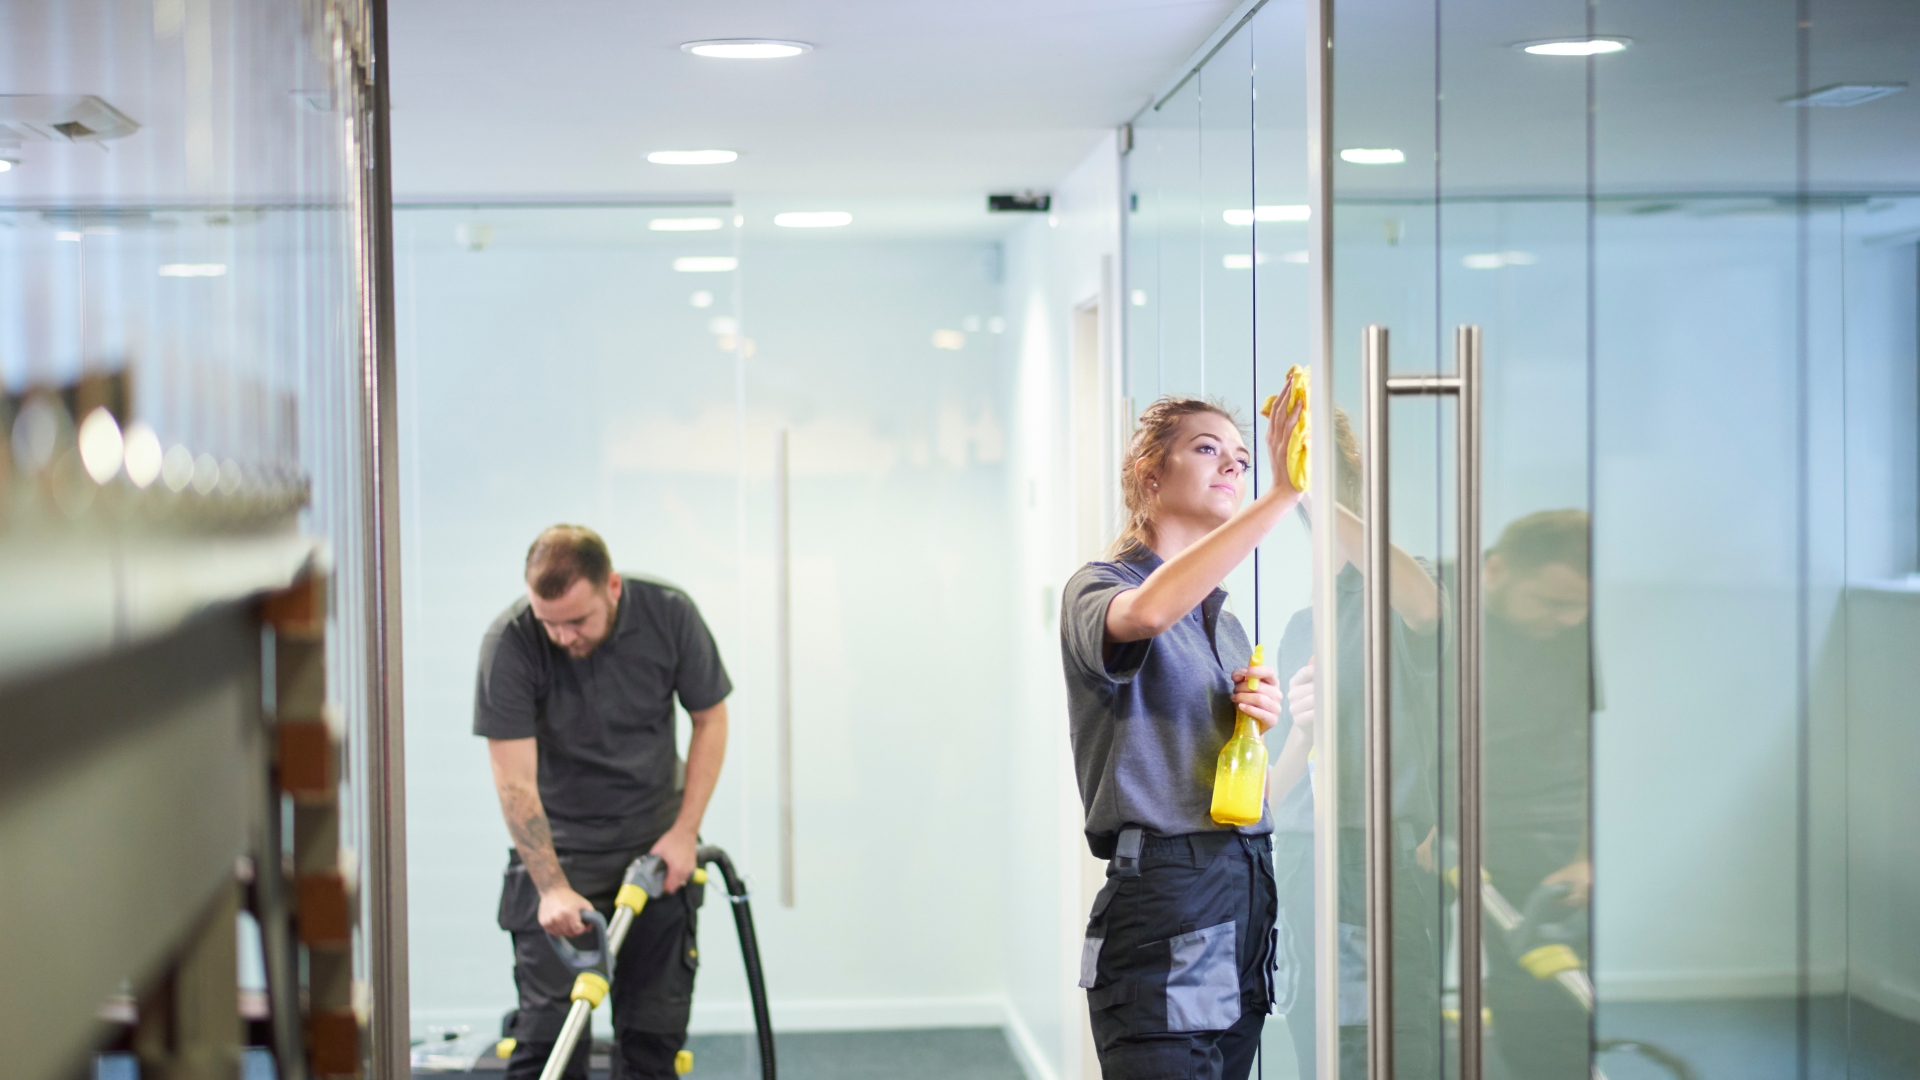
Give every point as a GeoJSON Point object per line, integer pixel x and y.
{"type": "Point", "coordinates": [1148, 717]}
{"type": "Point", "coordinates": [604, 723]}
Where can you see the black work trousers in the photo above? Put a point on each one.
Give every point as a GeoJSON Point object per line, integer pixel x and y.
{"type": "Point", "coordinates": [1179, 959]}
{"type": "Point", "coordinates": [652, 975]}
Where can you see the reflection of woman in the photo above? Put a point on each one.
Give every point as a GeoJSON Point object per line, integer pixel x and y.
{"type": "Point", "coordinates": [1180, 948]}
{"type": "Point", "coordinates": [1415, 597]}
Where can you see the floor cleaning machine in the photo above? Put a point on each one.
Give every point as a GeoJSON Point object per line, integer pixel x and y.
{"type": "Point", "coordinates": [593, 967]}
{"type": "Point", "coordinates": [1545, 948]}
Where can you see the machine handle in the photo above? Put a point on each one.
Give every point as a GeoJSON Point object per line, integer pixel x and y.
{"type": "Point", "coordinates": [1377, 388]}
{"type": "Point", "coordinates": [590, 959]}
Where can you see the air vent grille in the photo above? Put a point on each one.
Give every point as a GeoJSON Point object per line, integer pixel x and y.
{"type": "Point", "coordinates": [61, 118]}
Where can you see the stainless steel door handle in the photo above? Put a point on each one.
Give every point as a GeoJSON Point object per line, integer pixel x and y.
{"type": "Point", "coordinates": [1377, 388]}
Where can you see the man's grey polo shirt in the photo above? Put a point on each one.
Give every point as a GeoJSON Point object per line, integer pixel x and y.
{"type": "Point", "coordinates": [1148, 717]}
{"type": "Point", "coordinates": [604, 723]}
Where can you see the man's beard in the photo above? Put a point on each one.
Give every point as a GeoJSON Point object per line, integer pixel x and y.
{"type": "Point", "coordinates": [582, 650]}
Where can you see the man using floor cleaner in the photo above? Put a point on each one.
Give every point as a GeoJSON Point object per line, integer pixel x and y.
{"type": "Point", "coordinates": [1537, 698]}
{"type": "Point", "coordinates": [577, 683]}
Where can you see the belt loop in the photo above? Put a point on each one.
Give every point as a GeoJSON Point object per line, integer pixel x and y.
{"type": "Point", "coordinates": [1194, 858]}
{"type": "Point", "coordinates": [1126, 853]}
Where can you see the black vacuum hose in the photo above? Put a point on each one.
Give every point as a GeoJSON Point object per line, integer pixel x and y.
{"type": "Point", "coordinates": [749, 951]}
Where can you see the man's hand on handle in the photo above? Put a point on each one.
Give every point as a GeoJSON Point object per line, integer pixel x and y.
{"type": "Point", "coordinates": [676, 848]}
{"type": "Point", "coordinates": [560, 910]}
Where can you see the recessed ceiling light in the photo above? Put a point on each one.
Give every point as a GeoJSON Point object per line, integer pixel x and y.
{"type": "Point", "coordinates": [692, 157]}
{"type": "Point", "coordinates": [813, 219]}
{"type": "Point", "coordinates": [705, 264]}
{"type": "Point", "coordinates": [1267, 213]}
{"type": "Point", "coordinates": [5, 165]}
{"type": "Point", "coordinates": [746, 48]}
{"type": "Point", "coordinates": [684, 224]}
{"type": "Point", "coordinates": [193, 270]}
{"type": "Point", "coordinates": [1841, 95]}
{"type": "Point", "coordinates": [1581, 46]}
{"type": "Point", "coordinates": [1360, 155]}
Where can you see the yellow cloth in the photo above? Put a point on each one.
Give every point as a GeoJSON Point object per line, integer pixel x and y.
{"type": "Point", "coordinates": [1296, 394]}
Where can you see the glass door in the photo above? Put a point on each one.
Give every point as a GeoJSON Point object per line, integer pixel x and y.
{"type": "Point", "coordinates": [1622, 326]}
{"type": "Point", "coordinates": [1459, 355]}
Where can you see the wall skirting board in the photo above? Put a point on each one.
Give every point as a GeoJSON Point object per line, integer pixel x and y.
{"type": "Point", "coordinates": [1696, 986]}
{"type": "Point", "coordinates": [1026, 1049]}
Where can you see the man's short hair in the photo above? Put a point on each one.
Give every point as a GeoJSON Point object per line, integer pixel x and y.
{"type": "Point", "coordinates": [562, 555]}
{"type": "Point", "coordinates": [1546, 538]}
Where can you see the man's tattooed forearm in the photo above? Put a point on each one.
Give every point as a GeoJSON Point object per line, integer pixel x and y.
{"type": "Point", "coordinates": [534, 838]}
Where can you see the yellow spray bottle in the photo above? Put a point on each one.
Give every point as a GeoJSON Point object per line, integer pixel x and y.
{"type": "Point", "coordinates": [1240, 781]}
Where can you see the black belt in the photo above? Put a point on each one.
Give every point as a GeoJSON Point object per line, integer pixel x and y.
{"type": "Point", "coordinates": [1200, 848]}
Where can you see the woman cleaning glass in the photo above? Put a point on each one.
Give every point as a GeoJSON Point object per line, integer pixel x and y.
{"type": "Point", "coordinates": [1179, 953]}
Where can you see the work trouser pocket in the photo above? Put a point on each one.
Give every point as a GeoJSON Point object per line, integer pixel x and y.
{"type": "Point", "coordinates": [1186, 983]}
{"type": "Point", "coordinates": [1096, 938]}
{"type": "Point", "coordinates": [519, 900]}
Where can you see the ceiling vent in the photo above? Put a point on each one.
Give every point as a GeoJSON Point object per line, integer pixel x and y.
{"type": "Point", "coordinates": [61, 118]}
{"type": "Point", "coordinates": [1024, 203]}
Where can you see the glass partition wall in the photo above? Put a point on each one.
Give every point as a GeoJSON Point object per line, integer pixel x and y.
{"type": "Point", "coordinates": [1629, 655]}
{"type": "Point", "coordinates": [807, 431]}
{"type": "Point", "coordinates": [191, 202]}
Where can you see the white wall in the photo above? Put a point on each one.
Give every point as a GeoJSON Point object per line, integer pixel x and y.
{"type": "Point", "coordinates": [1698, 547]}
{"type": "Point", "coordinates": [1054, 264]}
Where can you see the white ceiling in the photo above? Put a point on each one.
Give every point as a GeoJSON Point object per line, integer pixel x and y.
{"type": "Point", "coordinates": [505, 99]}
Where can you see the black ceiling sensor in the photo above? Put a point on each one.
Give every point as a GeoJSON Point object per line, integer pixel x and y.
{"type": "Point", "coordinates": [1024, 204]}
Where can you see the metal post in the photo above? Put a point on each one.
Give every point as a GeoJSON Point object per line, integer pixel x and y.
{"type": "Point", "coordinates": [783, 658]}
{"type": "Point", "coordinates": [1466, 349]}
{"type": "Point", "coordinates": [1376, 638]}
{"type": "Point", "coordinates": [386, 741]}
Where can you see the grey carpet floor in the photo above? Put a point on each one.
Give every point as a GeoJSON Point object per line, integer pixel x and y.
{"type": "Point", "coordinates": [1758, 1039]}
{"type": "Point", "coordinates": [936, 1054]}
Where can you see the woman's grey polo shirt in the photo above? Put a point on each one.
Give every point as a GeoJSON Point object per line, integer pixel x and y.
{"type": "Point", "coordinates": [1148, 717]}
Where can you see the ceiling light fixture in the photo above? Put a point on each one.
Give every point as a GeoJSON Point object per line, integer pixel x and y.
{"type": "Point", "coordinates": [1581, 46]}
{"type": "Point", "coordinates": [1360, 155]}
{"type": "Point", "coordinates": [6, 165]}
{"type": "Point", "coordinates": [193, 270]}
{"type": "Point", "coordinates": [705, 264]}
{"type": "Point", "coordinates": [1267, 213]}
{"type": "Point", "coordinates": [746, 48]}
{"type": "Point", "coordinates": [1841, 95]}
{"type": "Point", "coordinates": [684, 224]}
{"type": "Point", "coordinates": [813, 219]}
{"type": "Point", "coordinates": [1494, 260]}
{"type": "Point", "coordinates": [692, 157]}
